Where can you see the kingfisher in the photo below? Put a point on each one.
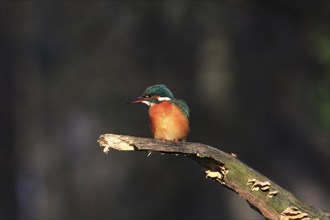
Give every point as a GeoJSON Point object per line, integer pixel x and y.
{"type": "Point", "coordinates": [168, 115]}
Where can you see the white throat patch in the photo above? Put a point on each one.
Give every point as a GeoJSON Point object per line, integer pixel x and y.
{"type": "Point", "coordinates": [159, 99]}
{"type": "Point", "coordinates": [148, 103]}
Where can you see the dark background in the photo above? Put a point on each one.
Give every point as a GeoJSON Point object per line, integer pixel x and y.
{"type": "Point", "coordinates": [255, 75]}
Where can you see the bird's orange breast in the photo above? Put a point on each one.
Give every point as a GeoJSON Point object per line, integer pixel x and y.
{"type": "Point", "coordinates": [168, 122]}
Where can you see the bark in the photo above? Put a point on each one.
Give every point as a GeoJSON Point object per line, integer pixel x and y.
{"type": "Point", "coordinates": [263, 195]}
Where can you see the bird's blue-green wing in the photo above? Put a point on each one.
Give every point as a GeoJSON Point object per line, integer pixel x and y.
{"type": "Point", "coordinates": [182, 105]}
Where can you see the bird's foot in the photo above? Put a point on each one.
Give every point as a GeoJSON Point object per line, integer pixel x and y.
{"type": "Point", "coordinates": [174, 141]}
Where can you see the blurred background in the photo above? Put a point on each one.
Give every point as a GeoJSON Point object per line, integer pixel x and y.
{"type": "Point", "coordinates": [255, 76]}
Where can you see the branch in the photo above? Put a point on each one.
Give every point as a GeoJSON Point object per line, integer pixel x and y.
{"type": "Point", "coordinates": [269, 199]}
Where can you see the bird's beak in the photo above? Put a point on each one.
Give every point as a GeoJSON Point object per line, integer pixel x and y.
{"type": "Point", "coordinates": [137, 100]}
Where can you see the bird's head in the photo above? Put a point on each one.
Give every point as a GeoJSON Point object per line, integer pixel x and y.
{"type": "Point", "coordinates": [154, 95]}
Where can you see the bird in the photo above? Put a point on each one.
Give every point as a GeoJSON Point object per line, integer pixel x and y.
{"type": "Point", "coordinates": [168, 116]}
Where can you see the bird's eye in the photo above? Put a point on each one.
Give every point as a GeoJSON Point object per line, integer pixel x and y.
{"type": "Point", "coordinates": [147, 96]}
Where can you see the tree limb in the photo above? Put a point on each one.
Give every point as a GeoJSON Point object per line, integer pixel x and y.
{"type": "Point", "coordinates": [269, 199]}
